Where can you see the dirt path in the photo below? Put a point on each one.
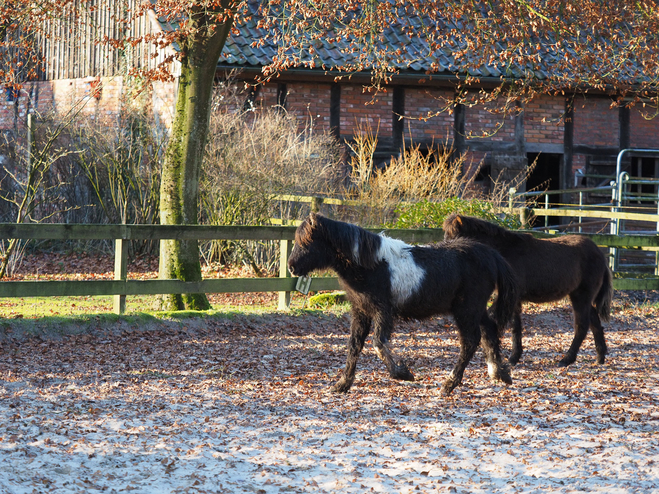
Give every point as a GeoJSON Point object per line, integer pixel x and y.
{"type": "Point", "coordinates": [241, 405]}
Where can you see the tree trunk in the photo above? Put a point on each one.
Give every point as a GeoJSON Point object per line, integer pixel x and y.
{"type": "Point", "coordinates": [179, 190]}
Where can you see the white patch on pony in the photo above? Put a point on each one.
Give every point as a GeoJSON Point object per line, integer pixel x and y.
{"type": "Point", "coordinates": [492, 370]}
{"type": "Point", "coordinates": [355, 251]}
{"type": "Point", "coordinates": [406, 275]}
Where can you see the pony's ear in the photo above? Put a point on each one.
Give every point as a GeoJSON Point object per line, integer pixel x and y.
{"type": "Point", "coordinates": [458, 220]}
{"type": "Point", "coordinates": [315, 218]}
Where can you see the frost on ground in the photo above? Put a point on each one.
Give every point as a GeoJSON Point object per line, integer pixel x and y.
{"type": "Point", "coordinates": [242, 405]}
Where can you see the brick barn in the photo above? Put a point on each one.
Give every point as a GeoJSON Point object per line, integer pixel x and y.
{"type": "Point", "coordinates": [569, 135]}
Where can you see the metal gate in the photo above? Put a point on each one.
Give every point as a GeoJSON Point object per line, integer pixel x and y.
{"type": "Point", "coordinates": [638, 194]}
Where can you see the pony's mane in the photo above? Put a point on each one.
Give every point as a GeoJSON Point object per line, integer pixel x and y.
{"type": "Point", "coordinates": [458, 225]}
{"type": "Point", "coordinates": [355, 244]}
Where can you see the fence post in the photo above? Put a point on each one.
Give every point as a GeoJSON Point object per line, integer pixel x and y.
{"type": "Point", "coordinates": [613, 227]}
{"type": "Point", "coordinates": [316, 202]}
{"type": "Point", "coordinates": [285, 247]}
{"type": "Point", "coordinates": [120, 273]}
{"type": "Point", "coordinates": [656, 254]}
{"type": "Point", "coordinates": [580, 209]}
{"type": "Point", "coordinates": [524, 216]}
{"type": "Point", "coordinates": [511, 198]}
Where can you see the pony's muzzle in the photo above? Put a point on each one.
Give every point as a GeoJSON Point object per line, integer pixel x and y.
{"type": "Point", "coordinates": [291, 269]}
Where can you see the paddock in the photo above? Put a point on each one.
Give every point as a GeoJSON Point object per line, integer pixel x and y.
{"type": "Point", "coordinates": [241, 404]}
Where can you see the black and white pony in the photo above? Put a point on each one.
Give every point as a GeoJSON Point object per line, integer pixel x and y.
{"type": "Point", "coordinates": [549, 269]}
{"type": "Point", "coordinates": [386, 278]}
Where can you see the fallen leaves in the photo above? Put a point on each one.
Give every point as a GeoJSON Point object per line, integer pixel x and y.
{"type": "Point", "coordinates": [241, 404]}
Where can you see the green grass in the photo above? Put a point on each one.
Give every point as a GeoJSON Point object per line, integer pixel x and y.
{"type": "Point", "coordinates": [57, 309]}
{"type": "Point", "coordinates": [39, 307]}
{"type": "Point", "coordinates": [327, 299]}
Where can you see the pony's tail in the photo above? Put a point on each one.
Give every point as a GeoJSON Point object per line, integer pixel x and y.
{"type": "Point", "coordinates": [604, 297]}
{"type": "Point", "coordinates": [508, 293]}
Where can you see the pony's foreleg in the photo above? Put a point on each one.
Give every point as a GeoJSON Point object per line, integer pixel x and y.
{"type": "Point", "coordinates": [581, 324]}
{"type": "Point", "coordinates": [516, 352]}
{"type": "Point", "coordinates": [359, 329]}
{"type": "Point", "coordinates": [598, 334]}
{"type": "Point", "coordinates": [492, 348]}
{"type": "Point", "coordinates": [382, 329]}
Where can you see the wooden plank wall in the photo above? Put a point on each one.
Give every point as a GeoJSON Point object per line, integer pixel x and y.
{"type": "Point", "coordinates": [73, 46]}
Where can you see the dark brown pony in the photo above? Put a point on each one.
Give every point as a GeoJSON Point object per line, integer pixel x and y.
{"type": "Point", "coordinates": [387, 279]}
{"type": "Point", "coordinates": [548, 270]}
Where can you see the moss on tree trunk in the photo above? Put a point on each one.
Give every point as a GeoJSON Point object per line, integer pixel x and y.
{"type": "Point", "coordinates": [182, 164]}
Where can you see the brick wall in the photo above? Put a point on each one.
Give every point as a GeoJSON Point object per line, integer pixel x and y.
{"type": "Point", "coordinates": [595, 122]}
{"type": "Point", "coordinates": [544, 120]}
{"type": "Point", "coordinates": [163, 98]}
{"type": "Point", "coordinates": [423, 103]}
{"type": "Point", "coordinates": [488, 122]}
{"type": "Point", "coordinates": [645, 129]}
{"type": "Point", "coordinates": [310, 103]}
{"type": "Point", "coordinates": [100, 102]}
{"type": "Point", "coordinates": [361, 108]}
{"type": "Point", "coordinates": [267, 96]}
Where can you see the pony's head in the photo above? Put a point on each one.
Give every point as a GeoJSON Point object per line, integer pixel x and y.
{"type": "Point", "coordinates": [451, 226]}
{"type": "Point", "coordinates": [457, 225]}
{"type": "Point", "coordinates": [322, 243]}
{"type": "Point", "coordinates": [311, 251]}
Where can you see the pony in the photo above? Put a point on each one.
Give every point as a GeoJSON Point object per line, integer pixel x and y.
{"type": "Point", "coordinates": [548, 270]}
{"type": "Point", "coordinates": [385, 279]}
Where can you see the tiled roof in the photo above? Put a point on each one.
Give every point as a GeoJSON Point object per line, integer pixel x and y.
{"type": "Point", "coordinates": [239, 52]}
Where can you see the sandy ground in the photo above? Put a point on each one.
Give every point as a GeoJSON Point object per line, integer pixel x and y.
{"type": "Point", "coordinates": [241, 404]}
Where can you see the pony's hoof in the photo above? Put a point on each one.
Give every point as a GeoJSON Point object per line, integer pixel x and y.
{"type": "Point", "coordinates": [600, 359]}
{"type": "Point", "coordinates": [514, 360]}
{"type": "Point", "coordinates": [504, 376]}
{"type": "Point", "coordinates": [565, 361]}
{"type": "Point", "coordinates": [402, 373]}
{"type": "Point", "coordinates": [448, 387]}
{"type": "Point", "coordinates": [341, 387]}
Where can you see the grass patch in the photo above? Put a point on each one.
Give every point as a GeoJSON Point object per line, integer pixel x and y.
{"type": "Point", "coordinates": [325, 300]}
{"type": "Point", "coordinates": [39, 307]}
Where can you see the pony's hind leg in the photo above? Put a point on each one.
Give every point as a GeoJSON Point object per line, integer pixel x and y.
{"type": "Point", "coordinates": [598, 335]}
{"type": "Point", "coordinates": [359, 329]}
{"type": "Point", "coordinates": [582, 310]}
{"type": "Point", "coordinates": [491, 346]}
{"type": "Point", "coordinates": [383, 326]}
{"type": "Point", "coordinates": [516, 352]}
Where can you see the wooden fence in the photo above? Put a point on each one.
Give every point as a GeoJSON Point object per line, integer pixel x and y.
{"type": "Point", "coordinates": [284, 284]}
{"type": "Point", "coordinates": [121, 286]}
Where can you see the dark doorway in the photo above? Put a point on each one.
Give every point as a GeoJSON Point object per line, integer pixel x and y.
{"type": "Point", "coordinates": [545, 176]}
{"type": "Point", "coordinates": [644, 194]}
{"type": "Point", "coordinates": [547, 172]}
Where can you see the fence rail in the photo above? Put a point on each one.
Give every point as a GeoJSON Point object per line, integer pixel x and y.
{"type": "Point", "coordinates": [284, 284]}
{"type": "Point", "coordinates": [120, 287]}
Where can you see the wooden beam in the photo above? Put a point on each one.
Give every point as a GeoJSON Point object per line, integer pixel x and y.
{"type": "Point", "coordinates": [155, 287]}
{"type": "Point", "coordinates": [568, 143]}
{"type": "Point", "coordinates": [636, 284]}
{"type": "Point", "coordinates": [60, 231]}
{"type": "Point", "coordinates": [459, 137]}
{"type": "Point", "coordinates": [624, 128]}
{"type": "Point", "coordinates": [654, 218]}
{"type": "Point", "coordinates": [335, 110]}
{"type": "Point", "coordinates": [398, 123]}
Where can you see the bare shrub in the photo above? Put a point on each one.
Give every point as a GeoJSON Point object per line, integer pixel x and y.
{"type": "Point", "coordinates": [251, 157]}
{"type": "Point", "coordinates": [433, 174]}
